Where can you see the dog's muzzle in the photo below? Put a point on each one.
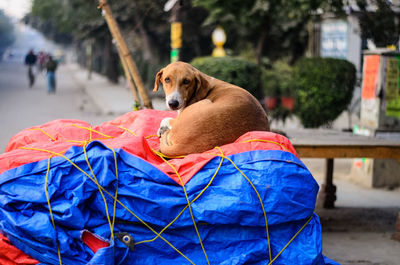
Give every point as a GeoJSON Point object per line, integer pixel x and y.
{"type": "Point", "coordinates": [173, 104]}
{"type": "Point", "coordinates": [174, 100]}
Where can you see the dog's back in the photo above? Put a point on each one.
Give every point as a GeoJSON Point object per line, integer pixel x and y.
{"type": "Point", "coordinates": [224, 114]}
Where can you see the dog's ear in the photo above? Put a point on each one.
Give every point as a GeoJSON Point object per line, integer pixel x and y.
{"type": "Point", "coordinates": [158, 80]}
{"type": "Point", "coordinates": [202, 86]}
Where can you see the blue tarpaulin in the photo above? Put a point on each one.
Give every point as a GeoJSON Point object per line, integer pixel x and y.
{"type": "Point", "coordinates": [229, 215]}
{"type": "Point", "coordinates": [251, 207]}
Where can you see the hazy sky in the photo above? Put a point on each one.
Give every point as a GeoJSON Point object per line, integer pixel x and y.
{"type": "Point", "coordinates": [16, 8]}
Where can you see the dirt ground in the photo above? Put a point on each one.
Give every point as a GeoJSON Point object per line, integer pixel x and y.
{"type": "Point", "coordinates": [360, 228]}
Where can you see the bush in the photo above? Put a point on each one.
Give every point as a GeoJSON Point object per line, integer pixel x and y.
{"type": "Point", "coordinates": [277, 80]}
{"type": "Point", "coordinates": [324, 88]}
{"type": "Point", "coordinates": [233, 70]}
{"type": "Point", "coordinates": [277, 84]}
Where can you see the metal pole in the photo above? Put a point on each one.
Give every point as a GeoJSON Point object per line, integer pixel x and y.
{"type": "Point", "coordinates": [176, 32]}
{"type": "Point", "coordinates": [329, 188]}
{"type": "Point", "coordinates": [125, 54]}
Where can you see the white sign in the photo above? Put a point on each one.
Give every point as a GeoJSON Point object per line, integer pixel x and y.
{"type": "Point", "coordinates": [334, 39]}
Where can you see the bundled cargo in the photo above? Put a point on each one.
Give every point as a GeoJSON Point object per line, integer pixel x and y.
{"type": "Point", "coordinates": [75, 194]}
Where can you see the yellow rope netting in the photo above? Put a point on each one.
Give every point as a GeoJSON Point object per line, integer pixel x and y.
{"type": "Point", "coordinates": [40, 129]}
{"type": "Point", "coordinates": [103, 191]}
{"type": "Point", "coordinates": [51, 212]}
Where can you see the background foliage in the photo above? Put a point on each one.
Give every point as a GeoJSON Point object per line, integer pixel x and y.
{"type": "Point", "coordinates": [233, 70]}
{"type": "Point", "coordinates": [324, 89]}
{"type": "Point", "coordinates": [271, 33]}
{"type": "Point", "coordinates": [273, 28]}
{"type": "Point", "coordinates": [7, 36]}
{"type": "Point", "coordinates": [277, 82]}
{"type": "Point", "coordinates": [265, 28]}
{"type": "Point", "coordinates": [381, 25]}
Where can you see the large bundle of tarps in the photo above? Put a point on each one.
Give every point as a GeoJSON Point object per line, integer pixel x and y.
{"type": "Point", "coordinates": [75, 194]}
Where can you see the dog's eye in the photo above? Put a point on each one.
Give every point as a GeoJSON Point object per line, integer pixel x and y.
{"type": "Point", "coordinates": [167, 80]}
{"type": "Point", "coordinates": [186, 81]}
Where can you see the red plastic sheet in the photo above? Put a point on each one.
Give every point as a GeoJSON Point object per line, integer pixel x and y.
{"type": "Point", "coordinates": [135, 133]}
{"type": "Point", "coordinates": [10, 255]}
{"type": "Point", "coordinates": [93, 242]}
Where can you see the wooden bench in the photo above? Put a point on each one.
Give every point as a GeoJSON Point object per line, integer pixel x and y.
{"type": "Point", "coordinates": [330, 144]}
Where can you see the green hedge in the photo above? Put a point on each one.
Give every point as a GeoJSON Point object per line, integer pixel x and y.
{"type": "Point", "coordinates": [277, 80]}
{"type": "Point", "coordinates": [324, 88]}
{"type": "Point", "coordinates": [233, 70]}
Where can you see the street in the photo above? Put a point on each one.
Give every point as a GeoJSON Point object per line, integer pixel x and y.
{"type": "Point", "coordinates": [358, 231]}
{"type": "Point", "coordinates": [22, 107]}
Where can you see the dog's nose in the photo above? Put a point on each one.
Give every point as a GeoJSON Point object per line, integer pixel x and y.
{"type": "Point", "coordinates": [173, 104]}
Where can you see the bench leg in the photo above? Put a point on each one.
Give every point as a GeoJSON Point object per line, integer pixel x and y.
{"type": "Point", "coordinates": [396, 235]}
{"type": "Point", "coordinates": [328, 189]}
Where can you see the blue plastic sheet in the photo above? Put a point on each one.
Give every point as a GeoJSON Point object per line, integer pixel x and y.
{"type": "Point", "coordinates": [228, 213]}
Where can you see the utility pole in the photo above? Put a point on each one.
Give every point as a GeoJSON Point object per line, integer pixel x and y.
{"type": "Point", "coordinates": [124, 54]}
{"type": "Point", "coordinates": [176, 27]}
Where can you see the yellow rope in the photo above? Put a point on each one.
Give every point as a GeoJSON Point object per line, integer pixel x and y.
{"type": "Point", "coordinates": [290, 241]}
{"type": "Point", "coordinates": [161, 155]}
{"type": "Point", "coordinates": [113, 197]}
{"type": "Point", "coordinates": [84, 142]}
{"type": "Point", "coordinates": [190, 208]}
{"type": "Point", "coordinates": [81, 141]}
{"type": "Point", "coordinates": [265, 216]}
{"type": "Point", "coordinates": [111, 224]}
{"type": "Point", "coordinates": [259, 198]}
{"type": "Point", "coordinates": [51, 212]}
{"type": "Point", "coordinates": [91, 130]}
{"type": "Point", "coordinates": [205, 188]}
{"type": "Point", "coordinates": [116, 189]}
{"type": "Point", "coordinates": [134, 134]}
{"type": "Point", "coordinates": [90, 134]}
{"type": "Point", "coordinates": [126, 129]}
{"type": "Point", "coordinates": [45, 133]}
{"type": "Point", "coordinates": [266, 141]}
{"type": "Point", "coordinates": [101, 193]}
{"type": "Point", "coordinates": [154, 151]}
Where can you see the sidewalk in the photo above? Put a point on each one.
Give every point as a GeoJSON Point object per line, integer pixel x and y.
{"type": "Point", "coordinates": [358, 231]}
{"type": "Point", "coordinates": [115, 99]}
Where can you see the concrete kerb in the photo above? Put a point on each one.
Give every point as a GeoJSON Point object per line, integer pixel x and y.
{"type": "Point", "coordinates": [111, 99]}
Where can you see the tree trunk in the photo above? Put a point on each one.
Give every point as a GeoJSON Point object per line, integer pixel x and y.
{"type": "Point", "coordinates": [148, 54]}
{"type": "Point", "coordinates": [261, 42]}
{"type": "Point", "coordinates": [110, 61]}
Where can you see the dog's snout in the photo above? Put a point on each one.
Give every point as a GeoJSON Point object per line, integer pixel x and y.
{"type": "Point", "coordinates": [173, 104]}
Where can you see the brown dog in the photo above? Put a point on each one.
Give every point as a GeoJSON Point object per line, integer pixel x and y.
{"type": "Point", "coordinates": [211, 112]}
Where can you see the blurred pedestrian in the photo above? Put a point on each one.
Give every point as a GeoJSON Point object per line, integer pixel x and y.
{"type": "Point", "coordinates": [30, 61]}
{"type": "Point", "coordinates": [51, 67]}
{"type": "Point", "coordinates": [41, 58]}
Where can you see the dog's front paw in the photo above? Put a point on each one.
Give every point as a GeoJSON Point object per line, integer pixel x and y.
{"type": "Point", "coordinates": [164, 126]}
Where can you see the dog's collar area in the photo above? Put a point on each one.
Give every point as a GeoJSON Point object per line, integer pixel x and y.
{"type": "Point", "coordinates": [189, 102]}
{"type": "Point", "coordinates": [208, 92]}
{"type": "Point", "coordinates": [192, 96]}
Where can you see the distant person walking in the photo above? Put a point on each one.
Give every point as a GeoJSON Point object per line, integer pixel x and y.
{"type": "Point", "coordinates": [30, 60]}
{"type": "Point", "coordinates": [51, 67]}
{"type": "Point", "coordinates": [41, 59]}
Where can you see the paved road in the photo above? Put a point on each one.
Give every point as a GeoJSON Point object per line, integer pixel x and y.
{"type": "Point", "coordinates": [22, 107]}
